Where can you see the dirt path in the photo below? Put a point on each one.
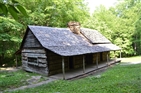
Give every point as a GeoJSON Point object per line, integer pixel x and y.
{"type": "Point", "coordinates": [32, 85]}
{"type": "Point", "coordinates": [130, 63]}
{"type": "Point", "coordinates": [10, 69]}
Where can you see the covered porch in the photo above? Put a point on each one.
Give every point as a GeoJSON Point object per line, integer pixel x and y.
{"type": "Point", "coordinates": [85, 70]}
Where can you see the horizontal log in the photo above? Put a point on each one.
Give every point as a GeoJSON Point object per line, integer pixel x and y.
{"type": "Point", "coordinates": [42, 65]}
{"type": "Point", "coordinates": [31, 43]}
{"type": "Point", "coordinates": [42, 60]}
{"type": "Point", "coordinates": [24, 64]}
{"type": "Point", "coordinates": [36, 69]}
{"type": "Point", "coordinates": [31, 63]}
{"type": "Point", "coordinates": [24, 61]}
{"type": "Point", "coordinates": [34, 51]}
{"type": "Point", "coordinates": [36, 55]}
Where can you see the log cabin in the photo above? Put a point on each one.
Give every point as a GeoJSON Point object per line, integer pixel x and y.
{"type": "Point", "coordinates": [50, 50]}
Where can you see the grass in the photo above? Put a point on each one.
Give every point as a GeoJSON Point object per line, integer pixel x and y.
{"type": "Point", "coordinates": [13, 79]}
{"type": "Point", "coordinates": [118, 79]}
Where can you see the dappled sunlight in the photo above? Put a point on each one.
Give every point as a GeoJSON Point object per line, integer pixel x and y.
{"type": "Point", "coordinates": [131, 60]}
{"type": "Point", "coordinates": [8, 69]}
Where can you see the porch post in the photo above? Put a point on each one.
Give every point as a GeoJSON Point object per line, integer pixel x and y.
{"type": "Point", "coordinates": [97, 60]}
{"type": "Point", "coordinates": [63, 67]}
{"type": "Point", "coordinates": [83, 64]}
{"type": "Point", "coordinates": [107, 59]}
{"type": "Point", "coordinates": [120, 54]}
{"type": "Point", "coordinates": [114, 56]}
{"type": "Point", "coordinates": [16, 61]}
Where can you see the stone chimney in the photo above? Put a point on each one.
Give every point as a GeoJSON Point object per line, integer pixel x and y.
{"type": "Point", "coordinates": [74, 27]}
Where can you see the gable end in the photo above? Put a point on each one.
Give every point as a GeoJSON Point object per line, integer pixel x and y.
{"type": "Point", "coordinates": [30, 41]}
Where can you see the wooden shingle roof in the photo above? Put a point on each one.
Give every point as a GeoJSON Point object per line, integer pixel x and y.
{"type": "Point", "coordinates": [65, 43]}
{"type": "Point", "coordinates": [94, 36]}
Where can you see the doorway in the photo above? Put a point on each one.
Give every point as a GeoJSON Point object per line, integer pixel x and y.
{"type": "Point", "coordinates": [89, 59]}
{"type": "Point", "coordinates": [101, 56]}
{"type": "Point", "coordinates": [71, 64]}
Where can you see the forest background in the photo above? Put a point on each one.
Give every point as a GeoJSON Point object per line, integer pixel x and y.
{"type": "Point", "coordinates": [121, 24]}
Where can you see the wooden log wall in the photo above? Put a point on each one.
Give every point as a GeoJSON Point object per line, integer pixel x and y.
{"type": "Point", "coordinates": [101, 58]}
{"type": "Point", "coordinates": [78, 61]}
{"type": "Point", "coordinates": [55, 63]}
{"type": "Point", "coordinates": [35, 60]}
{"type": "Point", "coordinates": [95, 57]}
{"type": "Point", "coordinates": [104, 56]}
{"type": "Point", "coordinates": [31, 41]}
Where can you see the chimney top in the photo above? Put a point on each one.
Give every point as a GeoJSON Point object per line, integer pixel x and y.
{"type": "Point", "coordinates": [74, 27]}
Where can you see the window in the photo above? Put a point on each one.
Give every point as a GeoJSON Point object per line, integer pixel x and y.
{"type": "Point", "coordinates": [37, 61]}
{"type": "Point", "coordinates": [32, 60]}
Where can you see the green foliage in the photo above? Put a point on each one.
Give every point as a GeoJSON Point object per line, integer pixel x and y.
{"type": "Point", "coordinates": [121, 25]}
{"type": "Point", "coordinates": [137, 36]}
{"type": "Point", "coordinates": [114, 80]}
{"type": "Point", "coordinates": [56, 13]}
{"type": "Point", "coordinates": [10, 33]}
{"type": "Point", "coordinates": [129, 12]}
{"type": "Point", "coordinates": [101, 21]}
{"type": "Point", "coordinates": [13, 7]}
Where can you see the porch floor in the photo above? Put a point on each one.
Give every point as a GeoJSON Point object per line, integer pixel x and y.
{"type": "Point", "coordinates": [90, 69]}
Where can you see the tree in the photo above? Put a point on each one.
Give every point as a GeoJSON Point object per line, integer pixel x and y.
{"type": "Point", "coordinates": [13, 7]}
{"type": "Point", "coordinates": [118, 24]}
{"type": "Point", "coordinates": [56, 13]}
{"type": "Point", "coordinates": [10, 33]}
{"type": "Point", "coordinates": [131, 15]}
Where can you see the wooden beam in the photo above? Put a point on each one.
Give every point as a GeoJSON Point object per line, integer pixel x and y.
{"type": "Point", "coordinates": [120, 54]}
{"type": "Point", "coordinates": [114, 56]}
{"type": "Point", "coordinates": [107, 59]}
{"type": "Point", "coordinates": [83, 64]}
{"type": "Point", "coordinates": [97, 60]}
{"type": "Point", "coordinates": [63, 67]}
{"type": "Point", "coordinates": [16, 62]}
